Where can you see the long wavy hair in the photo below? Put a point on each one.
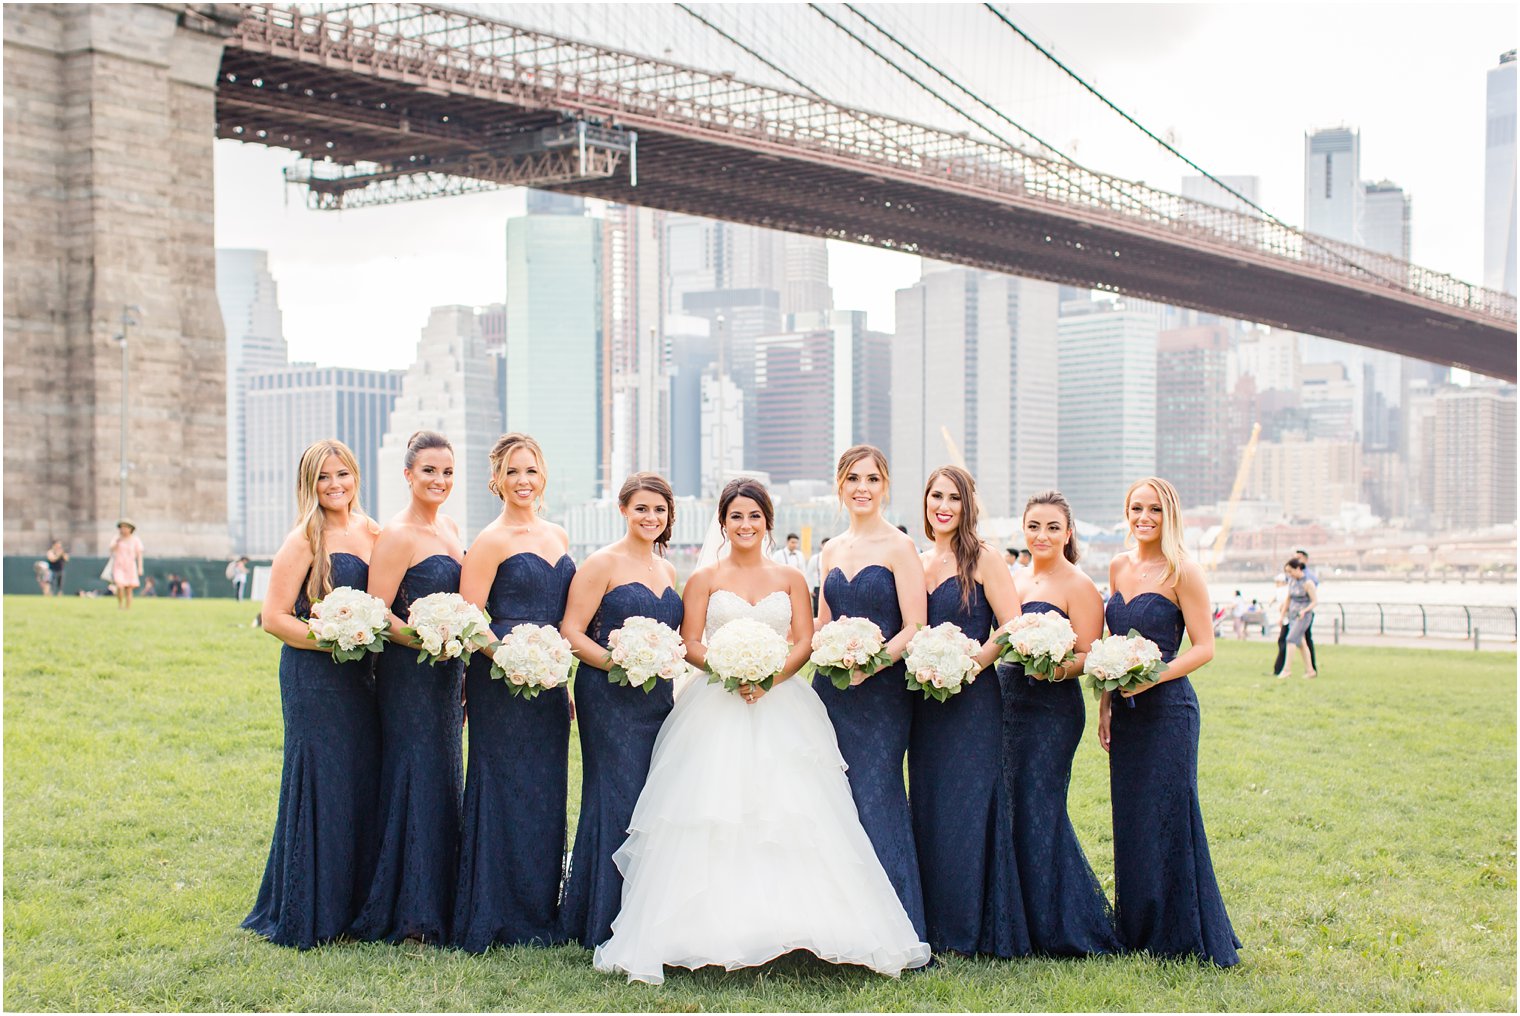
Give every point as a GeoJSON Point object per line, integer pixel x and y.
{"type": "Point", "coordinates": [1071, 551]}
{"type": "Point", "coordinates": [502, 450]}
{"type": "Point", "coordinates": [1171, 525]}
{"type": "Point", "coordinates": [967, 545]}
{"type": "Point", "coordinates": [310, 513]}
{"type": "Point", "coordinates": [655, 484]}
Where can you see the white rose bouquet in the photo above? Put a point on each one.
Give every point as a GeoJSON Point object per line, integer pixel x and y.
{"type": "Point", "coordinates": [532, 657]}
{"type": "Point", "coordinates": [847, 644]}
{"type": "Point", "coordinates": [447, 626]}
{"type": "Point", "coordinates": [644, 651]}
{"type": "Point", "coordinates": [745, 651]}
{"type": "Point", "coordinates": [1122, 662]}
{"type": "Point", "coordinates": [1038, 642]}
{"type": "Point", "coordinates": [941, 661]}
{"type": "Point", "coordinates": [348, 623]}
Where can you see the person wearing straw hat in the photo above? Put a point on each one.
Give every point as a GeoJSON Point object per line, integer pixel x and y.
{"type": "Point", "coordinates": [126, 562]}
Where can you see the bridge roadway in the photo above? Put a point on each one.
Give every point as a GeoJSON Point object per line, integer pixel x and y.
{"type": "Point", "coordinates": [403, 86]}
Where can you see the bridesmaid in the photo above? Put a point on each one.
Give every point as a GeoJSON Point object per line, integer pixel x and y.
{"type": "Point", "coordinates": [421, 716]}
{"type": "Point", "coordinates": [1166, 900]}
{"type": "Point", "coordinates": [618, 723]}
{"type": "Point", "coordinates": [513, 847]}
{"type": "Point", "coordinates": [873, 571]}
{"type": "Point", "coordinates": [961, 822]}
{"type": "Point", "coordinates": [323, 852]}
{"type": "Point", "coordinates": [1061, 908]}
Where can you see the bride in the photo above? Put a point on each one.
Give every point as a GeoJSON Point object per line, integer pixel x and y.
{"type": "Point", "coordinates": [745, 844]}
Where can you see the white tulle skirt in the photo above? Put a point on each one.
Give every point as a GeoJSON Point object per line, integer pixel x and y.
{"type": "Point", "coordinates": [745, 845]}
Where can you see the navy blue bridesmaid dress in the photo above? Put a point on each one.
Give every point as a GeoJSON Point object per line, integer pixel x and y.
{"type": "Point", "coordinates": [872, 721]}
{"type": "Point", "coordinates": [961, 824]}
{"type": "Point", "coordinates": [618, 725]}
{"type": "Point", "coordinates": [323, 852]}
{"type": "Point", "coordinates": [512, 851]}
{"type": "Point", "coordinates": [1061, 907]}
{"type": "Point", "coordinates": [1166, 900]}
{"type": "Point", "coordinates": [421, 779]}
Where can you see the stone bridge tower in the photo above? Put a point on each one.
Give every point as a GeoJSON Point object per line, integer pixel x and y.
{"type": "Point", "coordinates": [110, 117]}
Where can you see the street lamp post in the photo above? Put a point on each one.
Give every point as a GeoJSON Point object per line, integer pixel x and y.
{"type": "Point", "coordinates": [722, 435]}
{"type": "Point", "coordinates": [130, 315]}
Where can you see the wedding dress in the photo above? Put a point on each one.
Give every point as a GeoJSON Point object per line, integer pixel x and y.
{"type": "Point", "coordinates": [745, 843]}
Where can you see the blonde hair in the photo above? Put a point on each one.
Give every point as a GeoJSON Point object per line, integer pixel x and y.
{"type": "Point", "coordinates": [1171, 525]}
{"type": "Point", "coordinates": [502, 450]}
{"type": "Point", "coordinates": [309, 510]}
{"type": "Point", "coordinates": [855, 454]}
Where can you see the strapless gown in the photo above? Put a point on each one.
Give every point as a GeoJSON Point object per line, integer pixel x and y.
{"type": "Point", "coordinates": [421, 779]}
{"type": "Point", "coordinates": [1166, 899]}
{"type": "Point", "coordinates": [323, 852]}
{"type": "Point", "coordinates": [512, 850]}
{"type": "Point", "coordinates": [961, 823]}
{"type": "Point", "coordinates": [618, 726]}
{"type": "Point", "coordinates": [872, 721]}
{"type": "Point", "coordinates": [1062, 910]}
{"type": "Point", "coordinates": [745, 844]}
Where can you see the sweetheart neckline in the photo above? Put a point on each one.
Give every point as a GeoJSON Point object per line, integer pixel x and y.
{"type": "Point", "coordinates": [848, 579]}
{"type": "Point", "coordinates": [1148, 592]}
{"type": "Point", "coordinates": [552, 564]}
{"type": "Point", "coordinates": [641, 585]}
{"type": "Point", "coordinates": [767, 596]}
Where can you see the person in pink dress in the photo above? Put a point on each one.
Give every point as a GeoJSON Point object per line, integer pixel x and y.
{"type": "Point", "coordinates": [126, 562]}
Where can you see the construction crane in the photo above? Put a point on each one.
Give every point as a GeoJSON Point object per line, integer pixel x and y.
{"type": "Point", "coordinates": [1241, 474]}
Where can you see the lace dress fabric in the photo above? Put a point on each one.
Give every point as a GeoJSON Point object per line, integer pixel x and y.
{"type": "Point", "coordinates": [872, 721]}
{"type": "Point", "coordinates": [322, 855]}
{"type": "Point", "coordinates": [1166, 899]}
{"type": "Point", "coordinates": [961, 823]}
{"type": "Point", "coordinates": [421, 779]}
{"type": "Point", "coordinates": [745, 844]}
{"type": "Point", "coordinates": [618, 726]}
{"type": "Point", "coordinates": [1062, 910]}
{"type": "Point", "coordinates": [512, 850]}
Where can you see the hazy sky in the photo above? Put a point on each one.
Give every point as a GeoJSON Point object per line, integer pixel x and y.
{"type": "Point", "coordinates": [1234, 85]}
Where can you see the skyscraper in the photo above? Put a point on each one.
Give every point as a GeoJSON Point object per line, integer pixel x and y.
{"type": "Point", "coordinates": [636, 378]}
{"type": "Point", "coordinates": [1474, 456]}
{"type": "Point", "coordinates": [1332, 184]}
{"type": "Point", "coordinates": [974, 375]}
{"type": "Point", "coordinates": [451, 388]}
{"type": "Point", "coordinates": [1499, 178]}
{"type": "Point", "coordinates": [1196, 434]}
{"type": "Point", "coordinates": [288, 408]}
{"type": "Point", "coordinates": [250, 302]}
{"type": "Point", "coordinates": [1108, 405]}
{"type": "Point", "coordinates": [555, 355]}
{"type": "Point", "coordinates": [817, 394]}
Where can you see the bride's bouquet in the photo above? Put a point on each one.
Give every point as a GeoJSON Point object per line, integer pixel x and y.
{"type": "Point", "coordinates": [447, 627]}
{"type": "Point", "coordinates": [745, 651]}
{"type": "Point", "coordinates": [532, 657]}
{"type": "Point", "coordinates": [644, 651]}
{"type": "Point", "coordinates": [348, 623]}
{"type": "Point", "coordinates": [845, 645]}
{"type": "Point", "coordinates": [1122, 663]}
{"type": "Point", "coordinates": [1038, 642]}
{"type": "Point", "coordinates": [941, 661]}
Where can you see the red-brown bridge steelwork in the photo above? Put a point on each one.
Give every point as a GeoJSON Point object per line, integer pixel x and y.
{"type": "Point", "coordinates": [421, 101]}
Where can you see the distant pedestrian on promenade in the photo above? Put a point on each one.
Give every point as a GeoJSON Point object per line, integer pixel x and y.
{"type": "Point", "coordinates": [791, 554]}
{"type": "Point", "coordinates": [126, 562]}
{"type": "Point", "coordinates": [57, 557]}
{"type": "Point", "coordinates": [813, 573]}
{"type": "Point", "coordinates": [1238, 616]}
{"type": "Point", "coordinates": [238, 573]}
{"type": "Point", "coordinates": [1298, 615]}
{"type": "Point", "coordinates": [1282, 631]}
{"type": "Point", "coordinates": [44, 576]}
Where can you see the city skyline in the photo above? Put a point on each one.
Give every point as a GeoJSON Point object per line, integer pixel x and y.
{"type": "Point", "coordinates": [357, 285]}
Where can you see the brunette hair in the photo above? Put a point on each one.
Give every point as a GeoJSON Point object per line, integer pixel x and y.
{"type": "Point", "coordinates": [502, 450]}
{"type": "Point", "coordinates": [1071, 551]}
{"type": "Point", "coordinates": [309, 509]}
{"type": "Point", "coordinates": [1171, 525]}
{"type": "Point", "coordinates": [854, 454]}
{"type": "Point", "coordinates": [968, 546]}
{"type": "Point", "coordinates": [747, 486]}
{"type": "Point", "coordinates": [421, 441]}
{"type": "Point", "coordinates": [655, 484]}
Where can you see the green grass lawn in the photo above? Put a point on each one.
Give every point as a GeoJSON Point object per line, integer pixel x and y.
{"type": "Point", "coordinates": [1362, 827]}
